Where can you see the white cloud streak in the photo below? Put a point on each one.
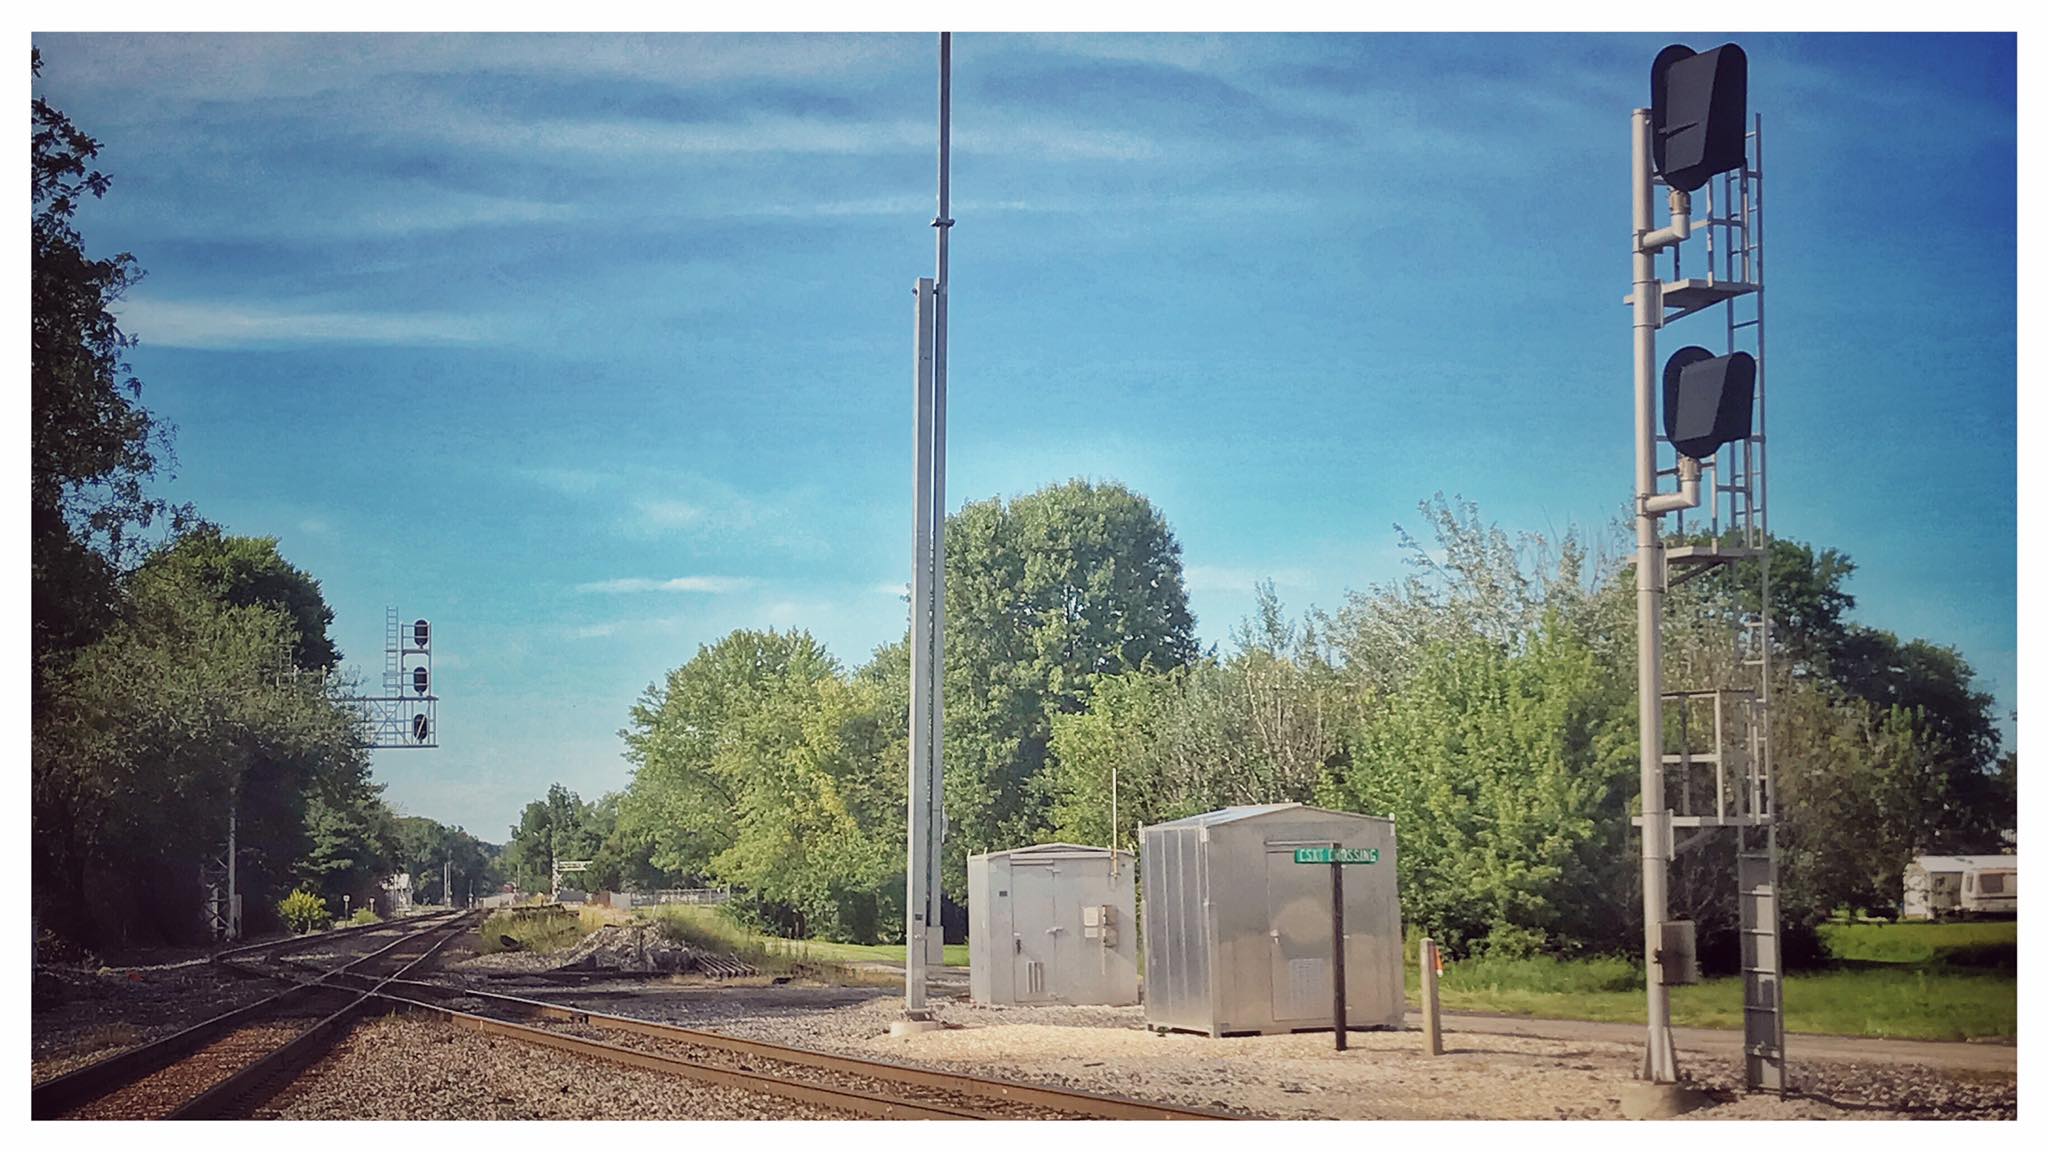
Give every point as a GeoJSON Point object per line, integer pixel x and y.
{"type": "Point", "coordinates": [219, 324]}
{"type": "Point", "coordinates": [708, 584]}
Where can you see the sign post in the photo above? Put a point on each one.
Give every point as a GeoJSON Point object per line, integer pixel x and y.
{"type": "Point", "coordinates": [1337, 952]}
{"type": "Point", "coordinates": [1337, 858]}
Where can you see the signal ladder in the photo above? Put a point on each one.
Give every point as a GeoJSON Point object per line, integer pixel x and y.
{"type": "Point", "coordinates": [1724, 725]}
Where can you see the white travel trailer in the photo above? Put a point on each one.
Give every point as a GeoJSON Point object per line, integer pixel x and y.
{"type": "Point", "coordinates": [1939, 886]}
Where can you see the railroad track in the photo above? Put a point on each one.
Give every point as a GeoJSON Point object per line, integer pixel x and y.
{"type": "Point", "coordinates": [874, 1088]}
{"type": "Point", "coordinates": [231, 1066]}
{"type": "Point", "coordinates": [222, 1067]}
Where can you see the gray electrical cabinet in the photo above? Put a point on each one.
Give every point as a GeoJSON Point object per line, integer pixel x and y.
{"type": "Point", "coordinates": [1237, 935]}
{"type": "Point", "coordinates": [1052, 924]}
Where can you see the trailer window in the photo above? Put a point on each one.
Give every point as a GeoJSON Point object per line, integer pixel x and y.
{"type": "Point", "coordinates": [1991, 884]}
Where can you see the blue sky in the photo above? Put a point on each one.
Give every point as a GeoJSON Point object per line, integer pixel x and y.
{"type": "Point", "coordinates": [594, 348]}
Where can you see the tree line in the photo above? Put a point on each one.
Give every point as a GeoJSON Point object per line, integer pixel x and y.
{"type": "Point", "coordinates": [1486, 700]}
{"type": "Point", "coordinates": [178, 672]}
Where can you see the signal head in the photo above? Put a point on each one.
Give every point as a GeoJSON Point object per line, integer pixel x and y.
{"type": "Point", "coordinates": [1699, 113]}
{"type": "Point", "coordinates": [1708, 400]}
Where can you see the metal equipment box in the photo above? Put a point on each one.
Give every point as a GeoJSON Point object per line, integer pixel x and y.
{"type": "Point", "coordinates": [1052, 924]}
{"type": "Point", "coordinates": [1237, 934]}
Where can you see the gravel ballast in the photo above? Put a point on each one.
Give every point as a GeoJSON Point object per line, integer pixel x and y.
{"type": "Point", "coordinates": [1383, 1076]}
{"type": "Point", "coordinates": [100, 1014]}
{"type": "Point", "coordinates": [399, 1068]}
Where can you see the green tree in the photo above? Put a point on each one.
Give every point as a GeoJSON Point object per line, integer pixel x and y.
{"type": "Point", "coordinates": [1263, 725]}
{"type": "Point", "coordinates": [92, 447]}
{"type": "Point", "coordinates": [353, 845]}
{"type": "Point", "coordinates": [184, 709]}
{"type": "Point", "coordinates": [243, 570]}
{"type": "Point", "coordinates": [1044, 594]}
{"type": "Point", "coordinates": [559, 826]}
{"type": "Point", "coordinates": [679, 796]}
{"type": "Point", "coordinates": [1508, 775]}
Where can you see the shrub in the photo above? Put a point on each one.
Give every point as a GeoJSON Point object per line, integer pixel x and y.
{"type": "Point", "coordinates": [366, 916]}
{"type": "Point", "coordinates": [303, 912]}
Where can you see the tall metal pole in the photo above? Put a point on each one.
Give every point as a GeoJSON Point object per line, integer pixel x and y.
{"type": "Point", "coordinates": [1660, 1062]}
{"type": "Point", "coordinates": [943, 223]}
{"type": "Point", "coordinates": [234, 920]}
{"type": "Point", "coordinates": [916, 905]}
{"type": "Point", "coordinates": [924, 935]}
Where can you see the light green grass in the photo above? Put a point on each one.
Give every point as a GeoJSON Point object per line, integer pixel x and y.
{"type": "Point", "coordinates": [1921, 1000]}
{"type": "Point", "coordinates": [956, 954]}
{"type": "Point", "coordinates": [703, 926]}
{"type": "Point", "coordinates": [1920, 943]}
{"type": "Point", "coordinates": [550, 931]}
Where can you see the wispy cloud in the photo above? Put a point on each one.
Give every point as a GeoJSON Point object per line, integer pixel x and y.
{"type": "Point", "coordinates": [218, 324]}
{"type": "Point", "coordinates": [642, 138]}
{"type": "Point", "coordinates": [592, 631]}
{"type": "Point", "coordinates": [711, 584]}
{"type": "Point", "coordinates": [894, 591]}
{"type": "Point", "coordinates": [659, 514]}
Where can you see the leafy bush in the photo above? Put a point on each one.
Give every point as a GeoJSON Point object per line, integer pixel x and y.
{"type": "Point", "coordinates": [366, 916]}
{"type": "Point", "coordinates": [303, 912]}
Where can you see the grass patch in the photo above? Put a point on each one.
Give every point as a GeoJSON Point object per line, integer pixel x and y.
{"type": "Point", "coordinates": [1918, 992]}
{"type": "Point", "coordinates": [1978, 944]}
{"type": "Point", "coordinates": [541, 931]}
{"type": "Point", "coordinates": [956, 954]}
{"type": "Point", "coordinates": [365, 916]}
{"type": "Point", "coordinates": [704, 926]}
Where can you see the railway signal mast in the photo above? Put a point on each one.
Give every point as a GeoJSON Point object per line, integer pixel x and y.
{"type": "Point", "coordinates": [924, 935]}
{"type": "Point", "coordinates": [404, 715]}
{"type": "Point", "coordinates": [1698, 134]}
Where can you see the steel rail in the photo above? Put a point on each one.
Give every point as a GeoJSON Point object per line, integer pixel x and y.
{"type": "Point", "coordinates": [81, 1086]}
{"type": "Point", "coordinates": [256, 1082]}
{"type": "Point", "coordinates": [1042, 1096]}
{"type": "Point", "coordinates": [271, 948]}
{"type": "Point", "coordinates": [844, 1099]}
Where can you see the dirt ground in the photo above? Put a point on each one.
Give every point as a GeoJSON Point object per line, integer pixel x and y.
{"type": "Point", "coordinates": [1493, 1069]}
{"type": "Point", "coordinates": [1384, 1075]}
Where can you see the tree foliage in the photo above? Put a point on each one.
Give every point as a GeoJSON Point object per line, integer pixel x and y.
{"type": "Point", "coordinates": [183, 709]}
{"type": "Point", "coordinates": [1486, 701]}
{"type": "Point", "coordinates": [1044, 595]}
{"type": "Point", "coordinates": [175, 684]}
{"type": "Point", "coordinates": [92, 446]}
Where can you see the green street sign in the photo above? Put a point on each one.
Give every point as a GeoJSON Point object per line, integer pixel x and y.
{"type": "Point", "coordinates": [1336, 855]}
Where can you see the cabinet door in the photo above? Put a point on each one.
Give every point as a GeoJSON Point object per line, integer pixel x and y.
{"type": "Point", "coordinates": [1034, 942]}
{"type": "Point", "coordinates": [1298, 934]}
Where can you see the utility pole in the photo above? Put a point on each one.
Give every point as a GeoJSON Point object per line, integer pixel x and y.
{"type": "Point", "coordinates": [234, 898]}
{"type": "Point", "coordinates": [924, 934]}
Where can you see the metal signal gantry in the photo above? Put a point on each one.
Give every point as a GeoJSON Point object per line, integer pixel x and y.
{"type": "Point", "coordinates": [1698, 134]}
{"type": "Point", "coordinates": [404, 715]}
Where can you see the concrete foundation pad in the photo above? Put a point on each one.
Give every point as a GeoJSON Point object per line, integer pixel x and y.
{"type": "Point", "coordinates": [1643, 1100]}
{"type": "Point", "coordinates": [908, 1026]}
